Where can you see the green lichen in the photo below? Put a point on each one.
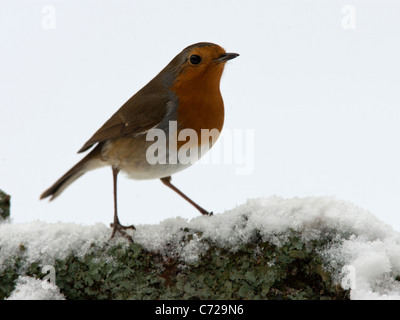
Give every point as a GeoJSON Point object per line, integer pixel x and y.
{"type": "Point", "coordinates": [258, 270]}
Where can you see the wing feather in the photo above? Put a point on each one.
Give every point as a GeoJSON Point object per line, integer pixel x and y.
{"type": "Point", "coordinates": [139, 114]}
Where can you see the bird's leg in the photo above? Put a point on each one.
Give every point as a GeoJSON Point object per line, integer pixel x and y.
{"type": "Point", "coordinates": [167, 182]}
{"type": "Point", "coordinates": [116, 225]}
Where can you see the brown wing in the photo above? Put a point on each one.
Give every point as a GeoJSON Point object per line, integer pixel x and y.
{"type": "Point", "coordinates": [139, 114]}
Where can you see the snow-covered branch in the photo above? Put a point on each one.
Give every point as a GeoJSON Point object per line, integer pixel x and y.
{"type": "Point", "coordinates": [269, 248]}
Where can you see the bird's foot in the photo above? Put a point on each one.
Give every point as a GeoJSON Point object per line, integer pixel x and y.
{"type": "Point", "coordinates": [122, 230]}
{"type": "Point", "coordinates": [205, 212]}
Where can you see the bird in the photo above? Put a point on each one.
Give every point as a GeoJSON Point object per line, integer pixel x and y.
{"type": "Point", "coordinates": [185, 95]}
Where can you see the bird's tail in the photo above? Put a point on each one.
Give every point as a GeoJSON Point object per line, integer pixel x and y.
{"type": "Point", "coordinates": [92, 161]}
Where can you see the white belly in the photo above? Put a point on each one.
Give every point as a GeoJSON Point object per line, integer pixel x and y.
{"type": "Point", "coordinates": [132, 156]}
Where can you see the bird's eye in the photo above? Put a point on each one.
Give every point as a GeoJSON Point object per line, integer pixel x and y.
{"type": "Point", "coordinates": [195, 59]}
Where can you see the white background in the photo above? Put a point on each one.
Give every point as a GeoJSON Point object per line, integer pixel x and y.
{"type": "Point", "coordinates": [323, 101]}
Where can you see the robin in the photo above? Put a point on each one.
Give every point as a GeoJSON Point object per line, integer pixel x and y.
{"type": "Point", "coordinates": [186, 92]}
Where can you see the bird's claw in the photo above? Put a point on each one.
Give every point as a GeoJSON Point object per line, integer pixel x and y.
{"type": "Point", "coordinates": [121, 229]}
{"type": "Point", "coordinates": [205, 212]}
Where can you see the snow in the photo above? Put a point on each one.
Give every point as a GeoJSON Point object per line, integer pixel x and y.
{"type": "Point", "coordinates": [367, 247]}
{"type": "Point", "coordinates": [44, 243]}
{"type": "Point", "coordinates": [29, 288]}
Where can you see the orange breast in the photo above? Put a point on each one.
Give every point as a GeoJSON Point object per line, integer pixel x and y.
{"type": "Point", "coordinates": [200, 104]}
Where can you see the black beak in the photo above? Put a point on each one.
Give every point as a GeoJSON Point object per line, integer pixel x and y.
{"type": "Point", "coordinates": [227, 56]}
